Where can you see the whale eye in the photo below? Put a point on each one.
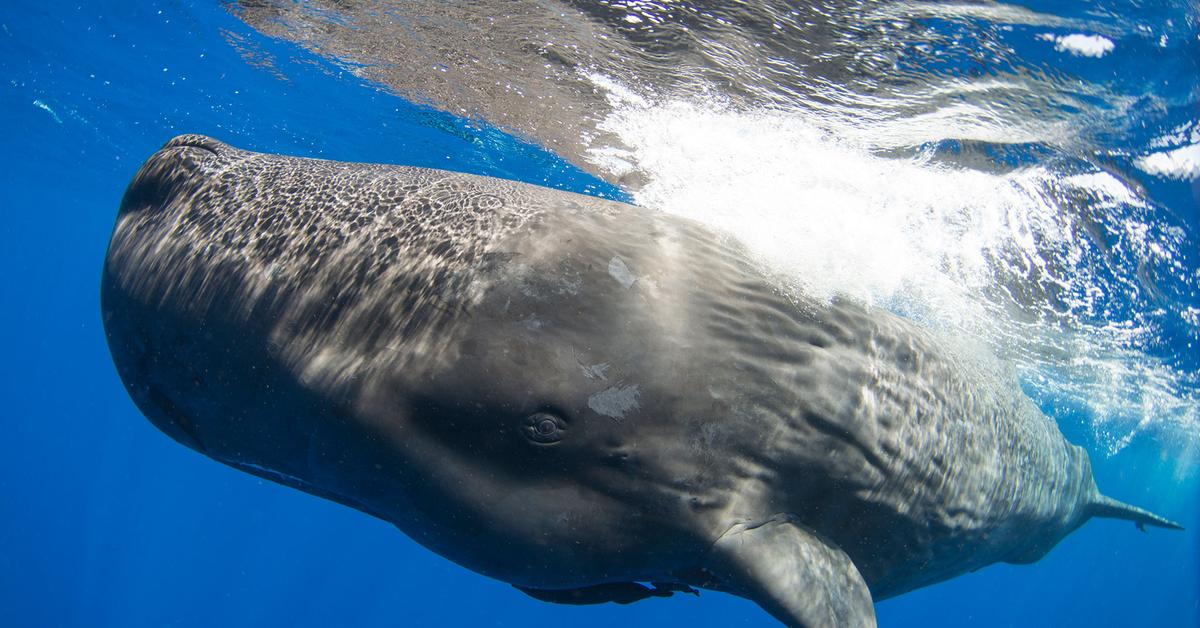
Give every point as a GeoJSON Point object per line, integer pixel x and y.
{"type": "Point", "coordinates": [544, 428]}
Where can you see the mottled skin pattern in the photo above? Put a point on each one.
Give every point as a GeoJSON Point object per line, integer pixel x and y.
{"type": "Point", "coordinates": [396, 338]}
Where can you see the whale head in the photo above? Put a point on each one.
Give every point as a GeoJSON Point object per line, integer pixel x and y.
{"type": "Point", "coordinates": [487, 368]}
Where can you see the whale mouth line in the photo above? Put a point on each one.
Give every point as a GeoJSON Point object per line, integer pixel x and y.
{"type": "Point", "coordinates": [272, 474]}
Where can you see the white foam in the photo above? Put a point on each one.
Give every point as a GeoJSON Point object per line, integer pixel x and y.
{"type": "Point", "coordinates": [1181, 163]}
{"type": "Point", "coordinates": [827, 211]}
{"type": "Point", "coordinates": [1182, 134]}
{"type": "Point", "coordinates": [1081, 45]}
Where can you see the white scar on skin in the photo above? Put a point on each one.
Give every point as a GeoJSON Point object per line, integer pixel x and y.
{"type": "Point", "coordinates": [616, 401]}
{"type": "Point", "coordinates": [620, 272]}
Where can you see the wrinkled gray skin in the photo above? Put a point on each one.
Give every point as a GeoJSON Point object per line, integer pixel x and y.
{"type": "Point", "coordinates": [569, 394]}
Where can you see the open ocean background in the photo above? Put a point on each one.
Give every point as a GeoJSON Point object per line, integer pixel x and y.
{"type": "Point", "coordinates": [104, 521]}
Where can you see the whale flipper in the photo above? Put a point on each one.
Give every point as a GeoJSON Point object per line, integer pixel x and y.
{"type": "Point", "coordinates": [803, 580]}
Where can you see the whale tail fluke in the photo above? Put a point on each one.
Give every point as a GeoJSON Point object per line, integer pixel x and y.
{"type": "Point", "coordinates": [1104, 506]}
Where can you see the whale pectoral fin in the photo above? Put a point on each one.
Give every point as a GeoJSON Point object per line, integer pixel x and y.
{"type": "Point", "coordinates": [794, 574]}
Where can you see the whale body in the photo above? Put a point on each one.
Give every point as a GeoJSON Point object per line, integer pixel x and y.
{"type": "Point", "coordinates": [572, 395]}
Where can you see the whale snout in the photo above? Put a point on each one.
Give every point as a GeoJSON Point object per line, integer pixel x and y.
{"type": "Point", "coordinates": [146, 269]}
{"type": "Point", "coordinates": [174, 172]}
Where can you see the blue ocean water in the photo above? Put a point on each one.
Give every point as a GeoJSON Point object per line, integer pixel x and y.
{"type": "Point", "coordinates": [106, 522]}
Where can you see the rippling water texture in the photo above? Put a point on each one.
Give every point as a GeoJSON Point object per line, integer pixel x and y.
{"type": "Point", "coordinates": [1023, 179]}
